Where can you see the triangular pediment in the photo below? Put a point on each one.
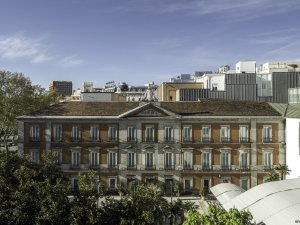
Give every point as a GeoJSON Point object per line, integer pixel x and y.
{"type": "Point", "coordinates": [149, 110]}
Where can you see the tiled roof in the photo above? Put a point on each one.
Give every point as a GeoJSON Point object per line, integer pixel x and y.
{"type": "Point", "coordinates": [205, 107]}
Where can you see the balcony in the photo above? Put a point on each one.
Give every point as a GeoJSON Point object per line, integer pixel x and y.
{"type": "Point", "coordinates": [150, 167]}
{"type": "Point", "coordinates": [225, 167]}
{"type": "Point", "coordinates": [267, 140]}
{"type": "Point", "coordinates": [169, 167]}
{"type": "Point", "coordinates": [75, 140]}
{"type": "Point", "coordinates": [131, 167]}
{"type": "Point", "coordinates": [244, 167]}
{"type": "Point", "coordinates": [225, 140]}
{"type": "Point", "coordinates": [206, 140]}
{"type": "Point", "coordinates": [75, 166]}
{"type": "Point", "coordinates": [94, 167]}
{"type": "Point", "coordinates": [169, 140]}
{"type": "Point", "coordinates": [187, 139]}
{"type": "Point", "coordinates": [188, 167]}
{"type": "Point", "coordinates": [112, 139]}
{"type": "Point", "coordinates": [112, 166]}
{"type": "Point", "coordinates": [267, 167]}
{"type": "Point", "coordinates": [57, 140]}
{"type": "Point", "coordinates": [206, 167]}
{"type": "Point", "coordinates": [244, 140]}
{"type": "Point", "coordinates": [132, 139]}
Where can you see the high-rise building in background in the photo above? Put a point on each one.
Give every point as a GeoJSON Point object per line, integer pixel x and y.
{"type": "Point", "coordinates": [63, 88]}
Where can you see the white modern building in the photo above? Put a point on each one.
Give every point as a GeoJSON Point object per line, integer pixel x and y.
{"type": "Point", "coordinates": [280, 66]}
{"type": "Point", "coordinates": [245, 67]}
{"type": "Point", "coordinates": [213, 81]}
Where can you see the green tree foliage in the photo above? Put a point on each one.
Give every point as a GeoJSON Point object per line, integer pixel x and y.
{"type": "Point", "coordinates": [217, 216]}
{"type": "Point", "coordinates": [273, 175]}
{"type": "Point", "coordinates": [283, 170]}
{"type": "Point", "coordinates": [32, 193]}
{"type": "Point", "coordinates": [18, 97]}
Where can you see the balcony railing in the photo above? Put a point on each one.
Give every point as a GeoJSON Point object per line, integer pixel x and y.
{"type": "Point", "coordinates": [112, 139]}
{"type": "Point", "coordinates": [206, 140]}
{"type": "Point", "coordinates": [188, 167]}
{"type": "Point", "coordinates": [225, 167]}
{"type": "Point", "coordinates": [94, 167]}
{"type": "Point", "coordinates": [150, 167]}
{"type": "Point", "coordinates": [267, 140]}
{"type": "Point", "coordinates": [187, 139]}
{"type": "Point", "coordinates": [244, 139]}
{"type": "Point", "coordinates": [168, 140]}
{"type": "Point", "coordinates": [268, 167]}
{"type": "Point", "coordinates": [131, 167]}
{"type": "Point", "coordinates": [169, 167]}
{"type": "Point", "coordinates": [149, 139]}
{"type": "Point", "coordinates": [75, 166]}
{"type": "Point", "coordinates": [131, 139]}
{"type": "Point", "coordinates": [244, 167]}
{"type": "Point", "coordinates": [112, 166]}
{"type": "Point", "coordinates": [206, 167]}
{"type": "Point", "coordinates": [225, 140]}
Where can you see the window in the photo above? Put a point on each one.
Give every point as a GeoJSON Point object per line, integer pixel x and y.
{"type": "Point", "coordinates": [267, 134]}
{"type": "Point", "coordinates": [94, 133]}
{"type": "Point", "coordinates": [187, 185]}
{"type": "Point", "coordinates": [187, 134]}
{"type": "Point", "coordinates": [112, 133]}
{"type": "Point", "coordinates": [206, 134]}
{"type": "Point", "coordinates": [131, 134]}
{"type": "Point", "coordinates": [188, 160]}
{"type": "Point", "coordinates": [225, 160]}
{"type": "Point", "coordinates": [168, 134]}
{"type": "Point", "coordinates": [112, 183]}
{"type": "Point", "coordinates": [94, 159]}
{"type": "Point", "coordinates": [225, 180]}
{"type": "Point", "coordinates": [131, 160]}
{"type": "Point", "coordinates": [206, 160]}
{"type": "Point", "coordinates": [244, 160]}
{"type": "Point", "coordinates": [244, 134]}
{"type": "Point", "coordinates": [58, 156]}
{"type": "Point", "coordinates": [112, 160]}
{"type": "Point", "coordinates": [75, 159]}
{"type": "Point", "coordinates": [150, 160]}
{"type": "Point", "coordinates": [75, 133]}
{"type": "Point", "coordinates": [75, 185]}
{"type": "Point", "coordinates": [57, 132]}
{"type": "Point", "coordinates": [225, 134]}
{"type": "Point", "coordinates": [268, 157]}
{"type": "Point", "coordinates": [34, 133]}
{"type": "Point", "coordinates": [245, 183]}
{"type": "Point", "coordinates": [214, 87]}
{"type": "Point", "coordinates": [35, 156]}
{"type": "Point", "coordinates": [169, 160]}
{"type": "Point", "coordinates": [149, 134]}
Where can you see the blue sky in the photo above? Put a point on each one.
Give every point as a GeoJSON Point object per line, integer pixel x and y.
{"type": "Point", "coordinates": [138, 41]}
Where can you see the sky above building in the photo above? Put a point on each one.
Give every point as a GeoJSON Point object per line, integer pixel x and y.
{"type": "Point", "coordinates": [138, 41]}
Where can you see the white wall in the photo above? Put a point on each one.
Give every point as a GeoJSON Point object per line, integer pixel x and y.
{"type": "Point", "coordinates": [246, 66]}
{"type": "Point", "coordinates": [96, 97]}
{"type": "Point", "coordinates": [209, 79]}
{"type": "Point", "coordinates": [292, 147]}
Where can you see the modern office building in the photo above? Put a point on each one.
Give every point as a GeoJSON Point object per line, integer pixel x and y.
{"type": "Point", "coordinates": [199, 144]}
{"type": "Point", "coordinates": [63, 88]}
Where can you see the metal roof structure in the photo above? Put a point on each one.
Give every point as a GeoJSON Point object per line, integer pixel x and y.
{"type": "Point", "coordinates": [270, 203]}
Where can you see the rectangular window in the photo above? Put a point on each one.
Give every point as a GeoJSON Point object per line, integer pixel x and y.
{"type": "Point", "coordinates": [244, 134]}
{"type": "Point", "coordinates": [35, 156]}
{"type": "Point", "coordinates": [57, 132]}
{"type": "Point", "coordinates": [205, 131]}
{"type": "Point", "coordinates": [225, 160]}
{"type": "Point", "coordinates": [168, 134]}
{"type": "Point", "coordinates": [75, 159]}
{"type": "Point", "coordinates": [169, 160]}
{"type": "Point", "coordinates": [34, 133]}
{"type": "Point", "coordinates": [150, 134]}
{"type": "Point", "coordinates": [188, 160]}
{"type": "Point", "coordinates": [131, 160]}
{"type": "Point", "coordinates": [206, 156]}
{"type": "Point", "coordinates": [131, 134]}
{"type": "Point", "coordinates": [244, 161]}
{"type": "Point", "coordinates": [150, 160]}
{"type": "Point", "coordinates": [75, 185]}
{"type": "Point", "coordinates": [225, 134]}
{"type": "Point", "coordinates": [112, 160]}
{"type": "Point", "coordinates": [75, 133]}
{"type": "Point", "coordinates": [112, 183]}
{"type": "Point", "coordinates": [245, 183]}
{"type": "Point", "coordinates": [187, 134]}
{"type": "Point", "coordinates": [267, 160]}
{"type": "Point", "coordinates": [58, 156]}
{"type": "Point", "coordinates": [94, 133]}
{"type": "Point", "coordinates": [267, 134]}
{"type": "Point", "coordinates": [94, 159]}
{"type": "Point", "coordinates": [112, 133]}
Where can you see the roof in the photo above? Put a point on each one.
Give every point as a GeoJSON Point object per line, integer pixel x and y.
{"type": "Point", "coordinates": [205, 107]}
{"type": "Point", "coordinates": [226, 192]}
{"type": "Point", "coordinates": [291, 110]}
{"type": "Point", "coordinates": [271, 203]}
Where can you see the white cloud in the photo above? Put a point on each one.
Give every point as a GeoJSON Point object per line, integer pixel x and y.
{"type": "Point", "coordinates": [19, 47]}
{"type": "Point", "coordinates": [72, 60]}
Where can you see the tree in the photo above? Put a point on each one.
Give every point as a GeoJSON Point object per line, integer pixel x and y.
{"type": "Point", "coordinates": [273, 175]}
{"type": "Point", "coordinates": [217, 216]}
{"type": "Point", "coordinates": [283, 170]}
{"type": "Point", "coordinates": [32, 193]}
{"type": "Point", "coordinates": [19, 97]}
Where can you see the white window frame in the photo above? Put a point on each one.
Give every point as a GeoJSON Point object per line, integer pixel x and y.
{"type": "Point", "coordinates": [242, 179]}
{"type": "Point", "coordinates": [225, 133]}
{"type": "Point", "coordinates": [150, 160]}
{"type": "Point", "coordinates": [267, 136]}
{"type": "Point", "coordinates": [205, 165]}
{"type": "Point", "coordinates": [149, 133]}
{"type": "Point", "coordinates": [131, 133]}
{"type": "Point", "coordinates": [34, 132]}
{"type": "Point", "coordinates": [190, 179]}
{"type": "Point", "coordinates": [241, 160]}
{"type": "Point", "coordinates": [112, 133]}
{"type": "Point", "coordinates": [94, 158]}
{"type": "Point", "coordinates": [169, 133]}
{"type": "Point", "coordinates": [131, 160]}
{"type": "Point", "coordinates": [76, 133]}
{"type": "Point", "coordinates": [94, 133]}
{"type": "Point", "coordinates": [112, 159]}
{"type": "Point", "coordinates": [269, 159]}
{"type": "Point", "coordinates": [58, 156]}
{"type": "Point", "coordinates": [187, 133]}
{"type": "Point", "coordinates": [75, 158]}
{"type": "Point", "coordinates": [169, 160]}
{"type": "Point", "coordinates": [188, 159]}
{"type": "Point", "coordinates": [244, 137]}
{"type": "Point", "coordinates": [206, 136]}
{"type": "Point", "coordinates": [35, 155]}
{"type": "Point", "coordinates": [225, 163]}
{"type": "Point", "coordinates": [57, 132]}
{"type": "Point", "coordinates": [114, 183]}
